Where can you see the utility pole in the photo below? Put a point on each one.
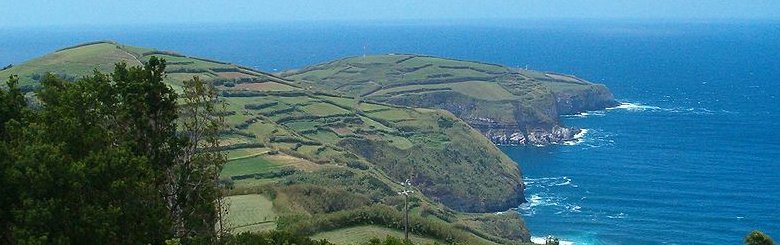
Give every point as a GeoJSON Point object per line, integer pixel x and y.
{"type": "Point", "coordinates": [407, 185]}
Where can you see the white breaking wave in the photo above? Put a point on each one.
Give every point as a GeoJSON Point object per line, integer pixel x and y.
{"type": "Point", "coordinates": [543, 197]}
{"type": "Point", "coordinates": [618, 216]}
{"type": "Point", "coordinates": [541, 240]}
{"type": "Point", "coordinates": [586, 114]}
{"type": "Point", "coordinates": [635, 107]}
{"type": "Point", "coordinates": [547, 181]}
{"type": "Point", "coordinates": [577, 138]}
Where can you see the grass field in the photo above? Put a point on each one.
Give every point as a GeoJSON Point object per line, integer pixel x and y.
{"type": "Point", "coordinates": [250, 213]}
{"type": "Point", "coordinates": [476, 89]}
{"type": "Point", "coordinates": [266, 86]}
{"type": "Point", "coordinates": [251, 165]}
{"type": "Point", "coordinates": [245, 152]}
{"type": "Point", "coordinates": [324, 109]}
{"type": "Point", "coordinates": [361, 234]}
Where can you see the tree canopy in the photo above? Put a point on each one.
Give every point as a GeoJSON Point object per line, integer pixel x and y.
{"type": "Point", "coordinates": [758, 238]}
{"type": "Point", "coordinates": [109, 158]}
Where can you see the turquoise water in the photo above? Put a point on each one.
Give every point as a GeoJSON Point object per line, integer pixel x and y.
{"type": "Point", "coordinates": [691, 158]}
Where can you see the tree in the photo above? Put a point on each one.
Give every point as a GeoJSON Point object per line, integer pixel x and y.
{"type": "Point", "coordinates": [758, 238]}
{"type": "Point", "coordinates": [73, 181]}
{"type": "Point", "coordinates": [12, 105]}
{"type": "Point", "coordinates": [193, 180]}
{"type": "Point", "coordinates": [108, 159]}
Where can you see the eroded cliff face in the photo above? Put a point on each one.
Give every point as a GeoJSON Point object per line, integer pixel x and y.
{"type": "Point", "coordinates": [538, 136]}
{"type": "Point", "coordinates": [543, 127]}
{"type": "Point", "coordinates": [534, 123]}
{"type": "Point", "coordinates": [594, 97]}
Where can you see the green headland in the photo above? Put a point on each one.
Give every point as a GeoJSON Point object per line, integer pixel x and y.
{"type": "Point", "coordinates": [325, 163]}
{"type": "Point", "coordinates": [507, 105]}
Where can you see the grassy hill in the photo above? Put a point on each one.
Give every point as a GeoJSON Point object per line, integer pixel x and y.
{"type": "Point", "coordinates": [76, 61]}
{"type": "Point", "coordinates": [499, 101]}
{"type": "Point", "coordinates": [318, 163]}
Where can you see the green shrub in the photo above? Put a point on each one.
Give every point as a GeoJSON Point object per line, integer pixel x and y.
{"type": "Point", "coordinates": [758, 238]}
{"type": "Point", "coordinates": [318, 199]}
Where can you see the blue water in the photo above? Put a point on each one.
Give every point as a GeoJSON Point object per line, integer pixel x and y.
{"type": "Point", "coordinates": [693, 159]}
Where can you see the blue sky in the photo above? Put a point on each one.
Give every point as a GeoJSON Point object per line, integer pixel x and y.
{"type": "Point", "coordinates": [16, 13]}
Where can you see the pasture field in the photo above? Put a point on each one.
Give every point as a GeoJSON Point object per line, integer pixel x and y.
{"type": "Point", "coordinates": [324, 110]}
{"type": "Point", "coordinates": [251, 212]}
{"type": "Point", "coordinates": [251, 165]}
{"type": "Point", "coordinates": [477, 89]}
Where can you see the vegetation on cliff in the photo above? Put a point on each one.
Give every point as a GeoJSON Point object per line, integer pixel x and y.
{"type": "Point", "coordinates": [507, 105]}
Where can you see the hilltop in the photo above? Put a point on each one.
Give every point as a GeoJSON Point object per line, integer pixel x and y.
{"type": "Point", "coordinates": [323, 164]}
{"type": "Point", "coordinates": [83, 59]}
{"type": "Point", "coordinates": [509, 106]}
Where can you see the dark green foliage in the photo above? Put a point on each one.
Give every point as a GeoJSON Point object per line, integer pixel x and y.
{"type": "Point", "coordinates": [758, 238]}
{"type": "Point", "coordinates": [12, 104]}
{"type": "Point", "coordinates": [188, 70]}
{"type": "Point", "coordinates": [75, 178]}
{"type": "Point", "coordinates": [317, 199]}
{"type": "Point", "coordinates": [345, 179]}
{"type": "Point", "coordinates": [276, 173]}
{"type": "Point", "coordinates": [193, 191]}
{"type": "Point", "coordinates": [259, 106]}
{"type": "Point", "coordinates": [445, 122]}
{"type": "Point", "coordinates": [293, 139]}
{"type": "Point", "coordinates": [95, 161]}
{"type": "Point", "coordinates": [240, 146]}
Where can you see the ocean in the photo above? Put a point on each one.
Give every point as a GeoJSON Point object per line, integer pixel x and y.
{"type": "Point", "coordinates": [690, 157]}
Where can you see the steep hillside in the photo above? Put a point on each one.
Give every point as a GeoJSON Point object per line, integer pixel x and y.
{"type": "Point", "coordinates": [312, 162]}
{"type": "Point", "coordinates": [509, 106]}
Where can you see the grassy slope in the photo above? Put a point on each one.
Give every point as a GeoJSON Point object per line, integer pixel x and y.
{"type": "Point", "coordinates": [250, 213]}
{"type": "Point", "coordinates": [471, 90]}
{"type": "Point", "coordinates": [313, 155]}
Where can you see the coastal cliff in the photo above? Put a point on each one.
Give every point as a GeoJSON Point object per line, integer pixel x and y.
{"type": "Point", "coordinates": [508, 106]}
{"type": "Point", "coordinates": [530, 130]}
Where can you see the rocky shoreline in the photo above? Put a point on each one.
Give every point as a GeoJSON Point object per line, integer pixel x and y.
{"type": "Point", "coordinates": [551, 134]}
{"type": "Point", "coordinates": [535, 137]}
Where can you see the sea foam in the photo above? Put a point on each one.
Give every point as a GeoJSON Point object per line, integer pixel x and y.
{"type": "Point", "coordinates": [541, 240]}
{"type": "Point", "coordinates": [577, 138]}
{"type": "Point", "coordinates": [635, 107]}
